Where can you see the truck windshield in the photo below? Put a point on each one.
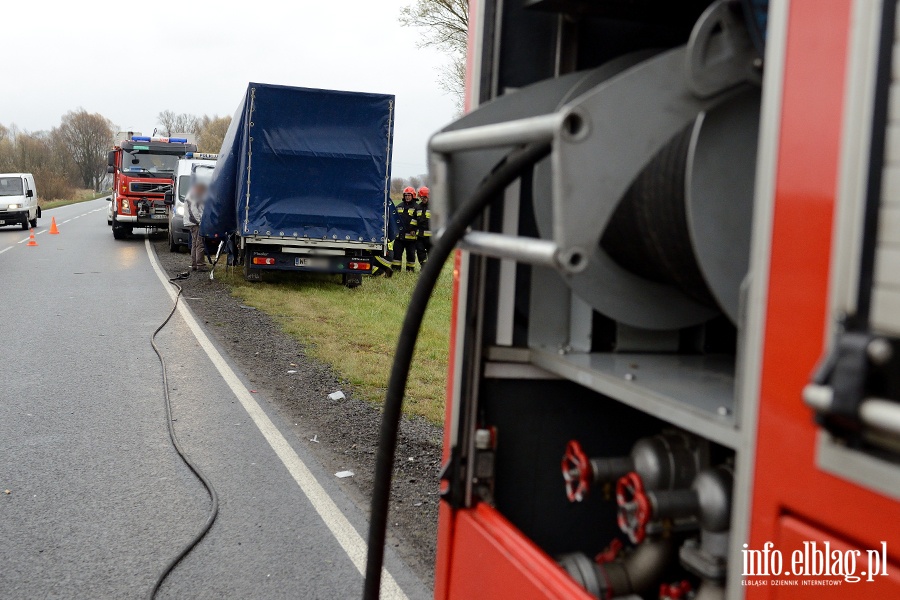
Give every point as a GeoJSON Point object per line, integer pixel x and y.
{"type": "Point", "coordinates": [142, 162]}
{"type": "Point", "coordinates": [11, 186]}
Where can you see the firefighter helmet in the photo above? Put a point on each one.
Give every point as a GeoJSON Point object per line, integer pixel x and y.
{"type": "Point", "coordinates": [423, 192]}
{"type": "Point", "coordinates": [409, 190]}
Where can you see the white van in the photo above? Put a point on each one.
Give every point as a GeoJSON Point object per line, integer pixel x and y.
{"type": "Point", "coordinates": [18, 200]}
{"type": "Point", "coordinates": [179, 234]}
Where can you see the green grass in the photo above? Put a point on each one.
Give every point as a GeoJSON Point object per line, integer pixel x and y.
{"type": "Point", "coordinates": [356, 330]}
{"type": "Point", "coordinates": [82, 196]}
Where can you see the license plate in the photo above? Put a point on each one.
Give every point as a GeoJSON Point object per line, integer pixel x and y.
{"type": "Point", "coordinates": [314, 263]}
{"type": "Point", "coordinates": [159, 216]}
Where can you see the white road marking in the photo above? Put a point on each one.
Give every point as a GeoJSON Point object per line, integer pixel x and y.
{"type": "Point", "coordinates": [5, 249]}
{"type": "Point", "coordinates": [66, 221]}
{"type": "Point", "coordinates": [334, 519]}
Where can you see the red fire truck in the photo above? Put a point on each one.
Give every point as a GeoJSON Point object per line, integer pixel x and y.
{"type": "Point", "coordinates": [143, 169]}
{"type": "Point", "coordinates": [675, 364]}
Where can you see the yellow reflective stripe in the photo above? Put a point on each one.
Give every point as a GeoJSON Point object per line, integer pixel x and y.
{"type": "Point", "coordinates": [427, 214]}
{"type": "Point", "coordinates": [383, 261]}
{"type": "Point", "coordinates": [426, 234]}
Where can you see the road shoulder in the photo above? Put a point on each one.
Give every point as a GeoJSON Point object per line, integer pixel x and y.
{"type": "Point", "coordinates": [341, 434]}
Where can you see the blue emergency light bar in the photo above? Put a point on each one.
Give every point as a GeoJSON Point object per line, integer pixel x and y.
{"type": "Point", "coordinates": [147, 138]}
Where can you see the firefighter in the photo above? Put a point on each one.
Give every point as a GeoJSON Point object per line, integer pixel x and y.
{"type": "Point", "coordinates": [406, 241]}
{"type": "Point", "coordinates": [423, 218]}
{"type": "Point", "coordinates": [383, 264]}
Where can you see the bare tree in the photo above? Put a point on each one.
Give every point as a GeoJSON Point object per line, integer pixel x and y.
{"type": "Point", "coordinates": [170, 122]}
{"type": "Point", "coordinates": [397, 184]}
{"type": "Point", "coordinates": [446, 25]}
{"type": "Point", "coordinates": [88, 137]}
{"type": "Point", "coordinates": [211, 132]}
{"type": "Point", "coordinates": [415, 182]}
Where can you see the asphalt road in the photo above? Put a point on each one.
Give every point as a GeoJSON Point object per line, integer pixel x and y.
{"type": "Point", "coordinates": [98, 499]}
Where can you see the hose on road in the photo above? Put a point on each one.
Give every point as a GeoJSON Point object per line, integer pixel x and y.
{"type": "Point", "coordinates": [513, 167]}
{"type": "Point", "coordinates": [213, 496]}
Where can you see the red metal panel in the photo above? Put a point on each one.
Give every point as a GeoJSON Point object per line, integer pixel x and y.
{"type": "Point", "coordinates": [493, 559]}
{"type": "Point", "coordinates": [786, 478]}
{"type": "Point", "coordinates": [792, 535]}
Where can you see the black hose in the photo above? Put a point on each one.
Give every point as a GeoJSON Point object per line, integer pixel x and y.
{"type": "Point", "coordinates": [507, 172]}
{"type": "Point", "coordinates": [213, 496]}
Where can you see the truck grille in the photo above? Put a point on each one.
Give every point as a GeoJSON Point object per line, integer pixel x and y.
{"type": "Point", "coordinates": [140, 187]}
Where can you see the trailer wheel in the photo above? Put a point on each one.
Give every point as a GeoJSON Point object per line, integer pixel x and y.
{"type": "Point", "coordinates": [351, 280]}
{"type": "Point", "coordinates": [250, 274]}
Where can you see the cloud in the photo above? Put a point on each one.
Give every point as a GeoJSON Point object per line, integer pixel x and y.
{"type": "Point", "coordinates": [131, 60]}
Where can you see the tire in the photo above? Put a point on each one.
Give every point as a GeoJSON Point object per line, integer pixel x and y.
{"type": "Point", "coordinates": [33, 222]}
{"type": "Point", "coordinates": [25, 224]}
{"type": "Point", "coordinates": [173, 247]}
{"type": "Point", "coordinates": [119, 231]}
{"type": "Point", "coordinates": [351, 281]}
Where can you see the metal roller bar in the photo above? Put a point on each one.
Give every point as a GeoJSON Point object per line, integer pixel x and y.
{"type": "Point", "coordinates": [876, 413]}
{"type": "Point", "coordinates": [532, 251]}
{"type": "Point", "coordinates": [520, 131]}
{"type": "Point", "coordinates": [881, 414]}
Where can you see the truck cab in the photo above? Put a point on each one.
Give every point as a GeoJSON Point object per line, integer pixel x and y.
{"type": "Point", "coordinates": [18, 200]}
{"type": "Point", "coordinates": [179, 232]}
{"type": "Point", "coordinates": [143, 171]}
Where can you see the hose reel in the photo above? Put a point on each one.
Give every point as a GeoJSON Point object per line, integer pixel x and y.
{"type": "Point", "coordinates": [645, 204]}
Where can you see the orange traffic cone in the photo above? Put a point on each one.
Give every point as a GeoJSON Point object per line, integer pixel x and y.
{"type": "Point", "coordinates": [31, 240]}
{"type": "Point", "coordinates": [53, 229]}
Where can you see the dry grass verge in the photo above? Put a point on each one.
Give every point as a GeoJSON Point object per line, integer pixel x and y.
{"type": "Point", "coordinates": [356, 330]}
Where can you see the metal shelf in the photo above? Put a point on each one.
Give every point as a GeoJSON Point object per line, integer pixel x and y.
{"type": "Point", "coordinates": [695, 393]}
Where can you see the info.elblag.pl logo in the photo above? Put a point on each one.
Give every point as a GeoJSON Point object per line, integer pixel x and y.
{"type": "Point", "coordinates": [815, 563]}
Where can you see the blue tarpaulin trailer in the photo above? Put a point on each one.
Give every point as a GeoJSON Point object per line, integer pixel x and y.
{"type": "Point", "coordinates": [303, 180]}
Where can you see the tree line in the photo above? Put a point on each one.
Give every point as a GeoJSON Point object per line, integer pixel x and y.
{"type": "Point", "coordinates": [72, 155]}
{"type": "Point", "coordinates": [416, 181]}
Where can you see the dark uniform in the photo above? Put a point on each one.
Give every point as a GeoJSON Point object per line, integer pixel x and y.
{"type": "Point", "coordinates": [423, 218]}
{"type": "Point", "coordinates": [406, 242]}
{"type": "Point", "coordinates": [383, 260]}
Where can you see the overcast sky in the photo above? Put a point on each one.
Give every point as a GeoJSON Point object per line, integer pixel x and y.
{"type": "Point", "coordinates": [130, 60]}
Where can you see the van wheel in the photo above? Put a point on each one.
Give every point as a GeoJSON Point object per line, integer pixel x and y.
{"type": "Point", "coordinates": [25, 224]}
{"type": "Point", "coordinates": [173, 246]}
{"type": "Point", "coordinates": [34, 221]}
